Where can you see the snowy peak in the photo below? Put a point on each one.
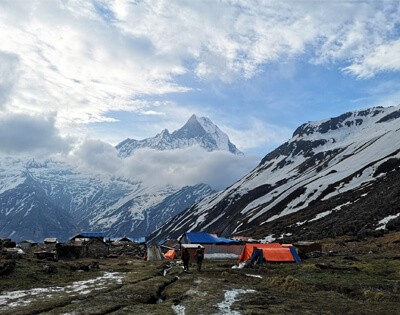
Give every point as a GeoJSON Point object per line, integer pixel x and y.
{"type": "Point", "coordinates": [197, 131]}
{"type": "Point", "coordinates": [192, 129]}
{"type": "Point", "coordinates": [337, 133]}
{"type": "Point", "coordinates": [348, 121]}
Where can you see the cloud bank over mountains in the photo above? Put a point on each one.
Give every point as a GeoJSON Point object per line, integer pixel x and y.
{"type": "Point", "coordinates": [66, 66]}
{"type": "Point", "coordinates": [179, 167]}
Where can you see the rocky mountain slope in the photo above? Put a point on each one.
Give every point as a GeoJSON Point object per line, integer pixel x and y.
{"type": "Point", "coordinates": [333, 177]}
{"type": "Point", "coordinates": [49, 198]}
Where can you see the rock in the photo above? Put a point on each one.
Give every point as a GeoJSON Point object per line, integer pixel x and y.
{"type": "Point", "coordinates": [8, 267]}
{"type": "Point", "coordinates": [49, 269]}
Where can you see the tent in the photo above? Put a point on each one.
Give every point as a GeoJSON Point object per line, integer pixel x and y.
{"type": "Point", "coordinates": [215, 247]}
{"type": "Point", "coordinates": [278, 254]}
{"type": "Point", "coordinates": [273, 252]}
{"type": "Point", "coordinates": [171, 254]}
{"type": "Point", "coordinates": [249, 248]}
{"type": "Point", "coordinates": [205, 238]}
{"type": "Point", "coordinates": [154, 253]}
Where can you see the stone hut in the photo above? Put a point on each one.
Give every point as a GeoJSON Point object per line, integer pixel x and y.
{"type": "Point", "coordinates": [88, 244]}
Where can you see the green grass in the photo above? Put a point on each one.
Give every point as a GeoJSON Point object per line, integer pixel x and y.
{"type": "Point", "coordinates": [367, 283]}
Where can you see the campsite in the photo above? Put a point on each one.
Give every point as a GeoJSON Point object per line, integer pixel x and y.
{"type": "Point", "coordinates": [349, 276]}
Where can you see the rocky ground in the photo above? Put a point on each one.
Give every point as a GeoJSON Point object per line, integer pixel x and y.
{"type": "Point", "coordinates": [349, 277]}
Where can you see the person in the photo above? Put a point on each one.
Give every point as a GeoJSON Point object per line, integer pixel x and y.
{"type": "Point", "coordinates": [185, 259]}
{"type": "Point", "coordinates": [199, 256]}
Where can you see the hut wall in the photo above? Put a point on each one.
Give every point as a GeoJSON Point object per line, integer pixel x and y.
{"type": "Point", "coordinates": [96, 249]}
{"type": "Point", "coordinates": [223, 249]}
{"type": "Point", "coordinates": [65, 251]}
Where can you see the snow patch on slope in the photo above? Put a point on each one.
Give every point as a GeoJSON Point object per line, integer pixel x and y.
{"type": "Point", "coordinates": [382, 223]}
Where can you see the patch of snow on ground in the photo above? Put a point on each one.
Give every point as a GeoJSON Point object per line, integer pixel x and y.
{"type": "Point", "coordinates": [215, 220]}
{"type": "Point", "coordinates": [321, 215]}
{"type": "Point", "coordinates": [240, 266]}
{"type": "Point", "coordinates": [256, 203]}
{"type": "Point", "coordinates": [230, 297]}
{"type": "Point", "coordinates": [179, 309]}
{"type": "Point", "coordinates": [300, 223]}
{"type": "Point", "coordinates": [325, 213]}
{"type": "Point", "coordinates": [268, 239]}
{"type": "Point", "coordinates": [254, 276]}
{"type": "Point", "coordinates": [284, 235]}
{"type": "Point", "coordinates": [221, 256]}
{"type": "Point", "coordinates": [237, 228]}
{"type": "Point", "coordinates": [382, 223]}
{"type": "Point", "coordinates": [13, 299]}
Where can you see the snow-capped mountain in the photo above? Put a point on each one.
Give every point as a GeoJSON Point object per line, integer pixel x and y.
{"type": "Point", "coordinates": [197, 131]}
{"type": "Point", "coordinates": [333, 177]}
{"type": "Point", "coordinates": [50, 198]}
{"type": "Point", "coordinates": [138, 215]}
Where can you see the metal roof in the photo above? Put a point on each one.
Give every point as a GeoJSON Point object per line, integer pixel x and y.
{"type": "Point", "coordinates": [192, 246]}
{"type": "Point", "coordinates": [133, 239]}
{"type": "Point", "coordinates": [50, 240]}
{"type": "Point", "coordinates": [90, 235]}
{"type": "Point", "coordinates": [28, 241]}
{"type": "Point", "coordinates": [205, 238]}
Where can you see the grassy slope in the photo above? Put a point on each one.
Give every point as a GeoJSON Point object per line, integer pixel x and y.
{"type": "Point", "coordinates": [364, 280]}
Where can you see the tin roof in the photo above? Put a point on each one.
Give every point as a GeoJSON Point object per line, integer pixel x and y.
{"type": "Point", "coordinates": [90, 235]}
{"type": "Point", "coordinates": [205, 238]}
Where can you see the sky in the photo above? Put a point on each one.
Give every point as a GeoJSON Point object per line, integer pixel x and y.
{"type": "Point", "coordinates": [78, 76]}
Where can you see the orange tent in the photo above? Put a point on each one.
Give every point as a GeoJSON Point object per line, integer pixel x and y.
{"type": "Point", "coordinates": [278, 254]}
{"type": "Point", "coordinates": [171, 254]}
{"type": "Point", "coordinates": [249, 248]}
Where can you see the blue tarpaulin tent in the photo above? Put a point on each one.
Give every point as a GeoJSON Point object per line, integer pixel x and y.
{"type": "Point", "coordinates": [205, 238]}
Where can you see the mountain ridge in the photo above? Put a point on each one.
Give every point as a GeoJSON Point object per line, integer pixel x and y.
{"type": "Point", "coordinates": [196, 131]}
{"type": "Point", "coordinates": [307, 174]}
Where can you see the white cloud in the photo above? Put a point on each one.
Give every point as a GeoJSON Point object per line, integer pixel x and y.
{"type": "Point", "coordinates": [180, 167]}
{"type": "Point", "coordinates": [258, 134]}
{"type": "Point", "coordinates": [8, 76]}
{"type": "Point", "coordinates": [74, 63]}
{"type": "Point", "coordinates": [383, 58]}
{"type": "Point", "coordinates": [188, 166]}
{"type": "Point", "coordinates": [84, 59]}
{"type": "Point", "coordinates": [96, 155]}
{"type": "Point", "coordinates": [22, 134]}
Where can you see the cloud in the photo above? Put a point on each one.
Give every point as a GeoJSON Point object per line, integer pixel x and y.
{"type": "Point", "coordinates": [258, 134]}
{"type": "Point", "coordinates": [188, 166]}
{"type": "Point", "coordinates": [222, 40]}
{"type": "Point", "coordinates": [383, 58]}
{"type": "Point", "coordinates": [25, 134]}
{"type": "Point", "coordinates": [97, 156]}
{"type": "Point", "coordinates": [180, 167]}
{"type": "Point", "coordinates": [75, 63]}
{"type": "Point", "coordinates": [85, 59]}
{"type": "Point", "coordinates": [8, 76]}
{"type": "Point", "coordinates": [230, 39]}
